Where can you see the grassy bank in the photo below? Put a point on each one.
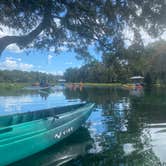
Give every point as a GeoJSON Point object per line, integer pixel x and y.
{"type": "Point", "coordinates": [100, 84]}
{"type": "Point", "coordinates": [12, 85]}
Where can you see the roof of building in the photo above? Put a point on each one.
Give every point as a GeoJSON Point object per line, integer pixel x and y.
{"type": "Point", "coordinates": [136, 77]}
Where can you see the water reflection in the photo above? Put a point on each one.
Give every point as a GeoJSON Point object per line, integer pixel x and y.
{"type": "Point", "coordinates": [13, 104]}
{"type": "Point", "coordinates": [25, 101]}
{"type": "Point", "coordinates": [157, 134]}
{"type": "Point", "coordinates": [137, 92]}
{"type": "Point", "coordinates": [119, 129]}
{"type": "Point", "coordinates": [122, 130]}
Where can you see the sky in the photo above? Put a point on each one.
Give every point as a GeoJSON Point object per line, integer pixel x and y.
{"type": "Point", "coordinates": [42, 61]}
{"type": "Point", "coordinates": [47, 62]}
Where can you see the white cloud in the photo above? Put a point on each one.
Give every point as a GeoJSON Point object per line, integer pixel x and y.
{"type": "Point", "coordinates": [15, 64]}
{"type": "Point", "coordinates": [68, 63]}
{"type": "Point", "coordinates": [62, 48]}
{"type": "Point", "coordinates": [49, 58]}
{"type": "Point", "coordinates": [52, 49]}
{"type": "Point", "coordinates": [58, 72]}
{"type": "Point", "coordinates": [10, 63]}
{"type": "Point", "coordinates": [129, 36]}
{"type": "Point", "coordinates": [14, 48]}
{"type": "Point", "coordinates": [146, 38]}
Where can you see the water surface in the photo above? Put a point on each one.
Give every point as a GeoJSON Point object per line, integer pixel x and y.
{"type": "Point", "coordinates": [125, 128]}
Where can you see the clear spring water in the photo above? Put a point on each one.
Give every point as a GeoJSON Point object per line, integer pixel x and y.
{"type": "Point", "coordinates": [125, 128]}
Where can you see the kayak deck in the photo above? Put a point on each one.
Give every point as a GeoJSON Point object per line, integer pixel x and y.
{"type": "Point", "coordinates": [27, 129]}
{"type": "Point", "coordinates": [17, 118]}
{"type": "Point", "coordinates": [25, 139]}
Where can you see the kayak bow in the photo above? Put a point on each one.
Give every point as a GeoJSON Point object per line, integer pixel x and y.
{"type": "Point", "coordinates": [24, 139]}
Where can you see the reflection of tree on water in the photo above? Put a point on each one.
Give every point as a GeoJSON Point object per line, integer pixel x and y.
{"type": "Point", "coordinates": [153, 105]}
{"type": "Point", "coordinates": [117, 128]}
{"type": "Point", "coordinates": [101, 96]}
{"type": "Point", "coordinates": [15, 92]}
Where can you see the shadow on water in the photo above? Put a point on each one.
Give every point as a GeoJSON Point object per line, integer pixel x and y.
{"type": "Point", "coordinates": [126, 128]}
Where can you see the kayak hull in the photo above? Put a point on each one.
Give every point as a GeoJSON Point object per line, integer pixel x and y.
{"type": "Point", "coordinates": [16, 148]}
{"type": "Point", "coordinates": [13, 119]}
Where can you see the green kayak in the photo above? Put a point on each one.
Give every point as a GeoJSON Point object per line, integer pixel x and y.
{"type": "Point", "coordinates": [12, 119]}
{"type": "Point", "coordinates": [29, 137]}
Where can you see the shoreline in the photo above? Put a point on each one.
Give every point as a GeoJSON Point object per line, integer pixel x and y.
{"type": "Point", "coordinates": [86, 84]}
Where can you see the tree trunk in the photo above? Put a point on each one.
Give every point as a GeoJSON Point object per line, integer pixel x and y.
{"type": "Point", "coordinates": [21, 41]}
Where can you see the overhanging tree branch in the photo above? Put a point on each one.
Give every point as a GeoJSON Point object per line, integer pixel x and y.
{"type": "Point", "coordinates": [23, 41]}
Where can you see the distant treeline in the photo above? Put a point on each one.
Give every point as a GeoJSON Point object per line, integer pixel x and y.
{"type": "Point", "coordinates": [26, 77]}
{"type": "Point", "coordinates": [149, 62]}
{"type": "Point", "coordinates": [96, 72]}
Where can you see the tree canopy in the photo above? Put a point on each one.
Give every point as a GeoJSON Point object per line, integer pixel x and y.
{"type": "Point", "coordinates": [76, 24]}
{"type": "Point", "coordinates": [150, 64]}
{"type": "Point", "coordinates": [26, 77]}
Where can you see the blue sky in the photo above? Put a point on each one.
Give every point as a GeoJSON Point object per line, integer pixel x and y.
{"type": "Point", "coordinates": [43, 61]}
{"type": "Point", "coordinates": [38, 61]}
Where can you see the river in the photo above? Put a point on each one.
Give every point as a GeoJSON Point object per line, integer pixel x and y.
{"type": "Point", "coordinates": [125, 128]}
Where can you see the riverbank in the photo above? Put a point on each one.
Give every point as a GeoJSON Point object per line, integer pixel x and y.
{"type": "Point", "coordinates": [86, 84]}
{"type": "Point", "coordinates": [22, 85]}
{"type": "Point", "coordinates": [103, 84]}
{"type": "Point", "coordinates": [12, 85]}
